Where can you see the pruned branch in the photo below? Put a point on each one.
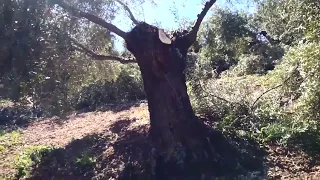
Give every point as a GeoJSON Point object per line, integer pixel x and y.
{"type": "Point", "coordinates": [92, 18]}
{"type": "Point", "coordinates": [192, 35]}
{"type": "Point", "coordinates": [131, 16]}
{"type": "Point", "coordinates": [80, 47]}
{"type": "Point", "coordinates": [205, 10]}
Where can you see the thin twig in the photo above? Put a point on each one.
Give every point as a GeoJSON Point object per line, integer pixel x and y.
{"type": "Point", "coordinates": [92, 18]}
{"type": "Point", "coordinates": [131, 16]}
{"type": "Point", "coordinates": [80, 47]}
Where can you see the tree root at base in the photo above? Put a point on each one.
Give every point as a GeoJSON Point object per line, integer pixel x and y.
{"type": "Point", "coordinates": [218, 157]}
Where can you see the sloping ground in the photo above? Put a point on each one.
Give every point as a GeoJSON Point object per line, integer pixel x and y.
{"type": "Point", "coordinates": [110, 140]}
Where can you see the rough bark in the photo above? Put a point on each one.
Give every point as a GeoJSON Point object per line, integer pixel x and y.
{"type": "Point", "coordinates": [172, 119]}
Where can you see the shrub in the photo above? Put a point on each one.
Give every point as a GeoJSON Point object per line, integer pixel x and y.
{"type": "Point", "coordinates": [30, 157]}
{"type": "Point", "coordinates": [19, 115]}
{"type": "Point", "coordinates": [292, 108]}
{"type": "Point", "coordinates": [127, 87]}
{"type": "Point", "coordinates": [8, 139]}
{"type": "Point", "coordinates": [248, 64]}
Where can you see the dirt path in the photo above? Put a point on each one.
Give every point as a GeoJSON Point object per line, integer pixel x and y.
{"type": "Point", "coordinates": [114, 132]}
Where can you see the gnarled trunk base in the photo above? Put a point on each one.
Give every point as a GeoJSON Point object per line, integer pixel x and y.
{"type": "Point", "coordinates": [182, 142]}
{"type": "Point", "coordinates": [173, 122]}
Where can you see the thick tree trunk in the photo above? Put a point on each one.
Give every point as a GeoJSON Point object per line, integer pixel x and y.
{"type": "Point", "coordinates": [185, 147]}
{"type": "Point", "coordinates": [173, 122]}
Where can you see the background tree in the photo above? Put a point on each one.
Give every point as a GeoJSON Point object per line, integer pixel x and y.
{"type": "Point", "coordinates": [40, 59]}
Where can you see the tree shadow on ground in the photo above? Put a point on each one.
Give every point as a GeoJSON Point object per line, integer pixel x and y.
{"type": "Point", "coordinates": [308, 142]}
{"type": "Point", "coordinates": [75, 161]}
{"type": "Point", "coordinates": [124, 152]}
{"type": "Point", "coordinates": [94, 156]}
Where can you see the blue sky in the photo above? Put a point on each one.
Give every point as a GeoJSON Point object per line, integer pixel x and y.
{"type": "Point", "coordinates": [168, 13]}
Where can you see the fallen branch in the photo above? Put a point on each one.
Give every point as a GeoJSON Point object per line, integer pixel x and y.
{"type": "Point", "coordinates": [273, 88]}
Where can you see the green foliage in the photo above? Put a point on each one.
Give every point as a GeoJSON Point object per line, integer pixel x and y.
{"type": "Point", "coordinates": [85, 160]}
{"type": "Point", "coordinates": [2, 132]}
{"type": "Point", "coordinates": [304, 86]}
{"type": "Point", "coordinates": [20, 45]}
{"type": "Point", "coordinates": [2, 148]}
{"type": "Point", "coordinates": [290, 21]}
{"type": "Point", "coordinates": [5, 103]}
{"type": "Point", "coordinates": [279, 100]}
{"type": "Point", "coordinates": [275, 131]}
{"type": "Point", "coordinates": [231, 40]}
{"type": "Point", "coordinates": [126, 87]}
{"type": "Point", "coordinates": [224, 37]}
{"type": "Point", "coordinates": [8, 139]}
{"type": "Point", "coordinates": [311, 11]}
{"type": "Point", "coordinates": [24, 161]}
{"type": "Point", "coordinates": [40, 61]}
{"type": "Point", "coordinates": [281, 19]}
{"type": "Point", "coordinates": [261, 59]}
{"type": "Point", "coordinates": [248, 64]}
{"type": "Point", "coordinates": [291, 108]}
{"type": "Point", "coordinates": [30, 157]}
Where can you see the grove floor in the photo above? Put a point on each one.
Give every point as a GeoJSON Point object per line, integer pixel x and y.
{"type": "Point", "coordinates": [116, 136]}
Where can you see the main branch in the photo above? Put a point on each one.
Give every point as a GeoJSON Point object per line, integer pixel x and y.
{"type": "Point", "coordinates": [82, 48]}
{"type": "Point", "coordinates": [192, 35]}
{"type": "Point", "coordinates": [92, 18]}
